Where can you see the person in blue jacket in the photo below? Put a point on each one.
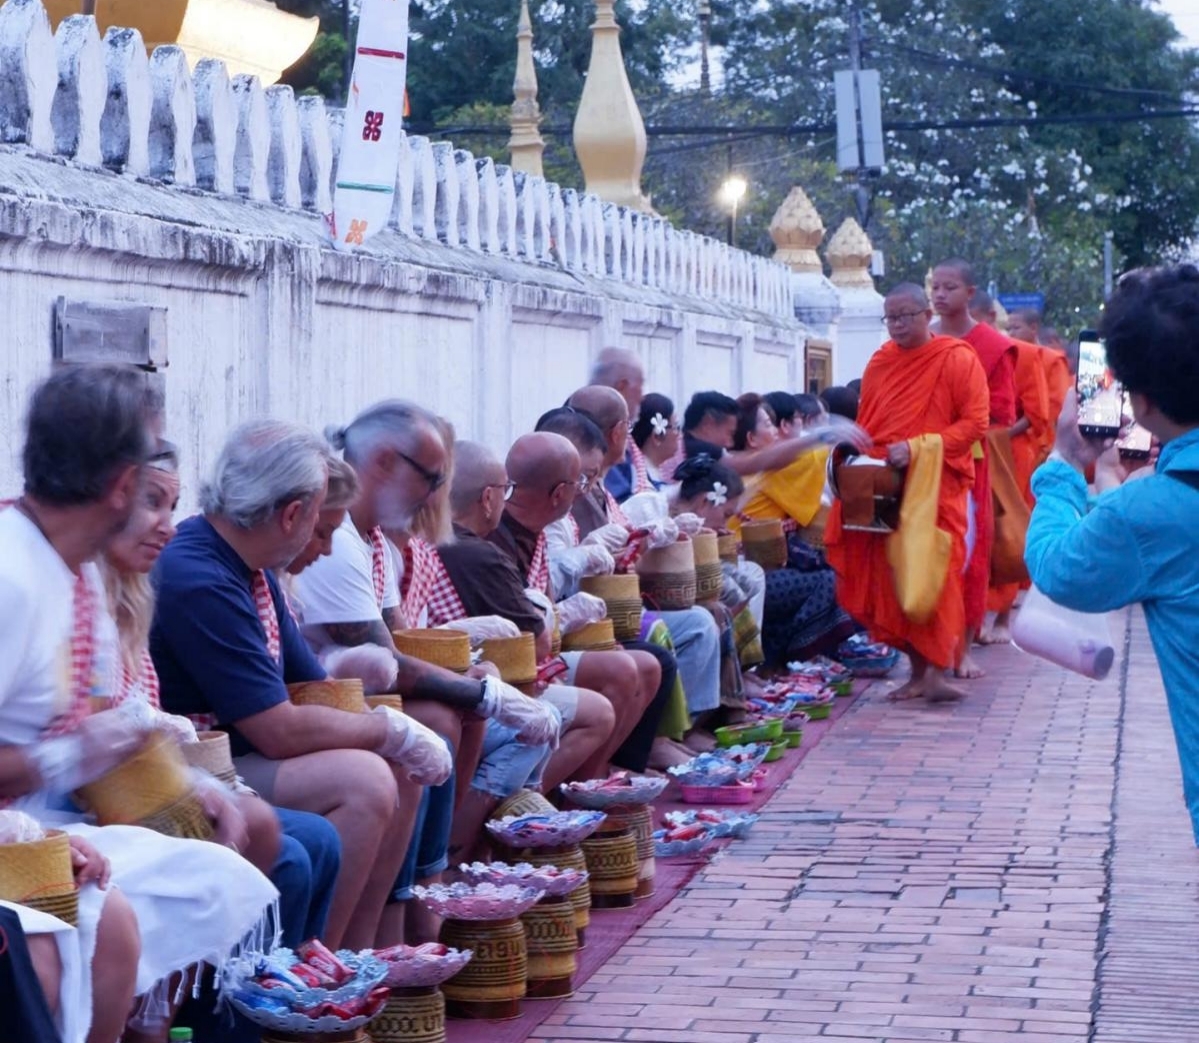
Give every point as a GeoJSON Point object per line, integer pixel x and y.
{"type": "Point", "coordinates": [1137, 541]}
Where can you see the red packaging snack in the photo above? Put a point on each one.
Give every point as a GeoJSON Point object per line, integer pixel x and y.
{"type": "Point", "coordinates": [313, 953]}
{"type": "Point", "coordinates": [311, 977]}
{"type": "Point", "coordinates": [431, 949]}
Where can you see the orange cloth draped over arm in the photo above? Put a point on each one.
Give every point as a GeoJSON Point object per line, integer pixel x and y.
{"type": "Point", "coordinates": [939, 388]}
{"type": "Point", "coordinates": [1059, 381]}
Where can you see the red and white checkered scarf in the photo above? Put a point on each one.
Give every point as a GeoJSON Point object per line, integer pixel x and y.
{"type": "Point", "coordinates": [444, 604]}
{"type": "Point", "coordinates": [378, 562]}
{"type": "Point", "coordinates": [641, 480]}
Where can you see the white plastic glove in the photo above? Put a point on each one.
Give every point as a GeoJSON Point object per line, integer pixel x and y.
{"type": "Point", "coordinates": [97, 746]}
{"type": "Point", "coordinates": [418, 750]}
{"type": "Point", "coordinates": [141, 715]}
{"type": "Point", "coordinates": [597, 561]}
{"type": "Point", "coordinates": [837, 430]}
{"type": "Point", "coordinates": [546, 607]}
{"type": "Point", "coordinates": [375, 667]}
{"type": "Point", "coordinates": [662, 534]}
{"type": "Point", "coordinates": [576, 612]}
{"type": "Point", "coordinates": [535, 721]}
{"type": "Point", "coordinates": [689, 524]}
{"type": "Point", "coordinates": [221, 809]}
{"type": "Point", "coordinates": [483, 628]}
{"type": "Point", "coordinates": [645, 508]}
{"type": "Point", "coordinates": [611, 537]}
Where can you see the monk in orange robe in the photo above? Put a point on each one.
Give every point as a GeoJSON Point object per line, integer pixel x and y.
{"type": "Point", "coordinates": [1025, 324]}
{"type": "Point", "coordinates": [916, 384]}
{"type": "Point", "coordinates": [953, 285]}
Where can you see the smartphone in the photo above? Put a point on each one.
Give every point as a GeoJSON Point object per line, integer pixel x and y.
{"type": "Point", "coordinates": [1136, 444]}
{"type": "Point", "coordinates": [1100, 397]}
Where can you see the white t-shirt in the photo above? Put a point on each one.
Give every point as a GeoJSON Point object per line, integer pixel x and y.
{"type": "Point", "coordinates": [341, 587]}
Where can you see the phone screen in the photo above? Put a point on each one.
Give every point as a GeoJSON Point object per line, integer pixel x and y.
{"type": "Point", "coordinates": [1100, 397]}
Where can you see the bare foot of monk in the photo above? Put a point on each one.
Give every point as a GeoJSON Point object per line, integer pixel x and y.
{"type": "Point", "coordinates": [999, 632]}
{"type": "Point", "coordinates": [909, 690]}
{"type": "Point", "coordinates": [938, 690]}
{"type": "Point", "coordinates": [928, 681]}
{"type": "Point", "coordinates": [967, 669]}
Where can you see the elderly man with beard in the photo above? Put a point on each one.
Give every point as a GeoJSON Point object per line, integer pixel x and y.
{"type": "Point", "coordinates": [226, 646]}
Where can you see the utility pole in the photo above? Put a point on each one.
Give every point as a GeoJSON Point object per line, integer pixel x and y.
{"type": "Point", "coordinates": [860, 196]}
{"type": "Point", "coordinates": [348, 70]}
{"type": "Point", "coordinates": [705, 19]}
{"type": "Point", "coordinates": [1107, 265]}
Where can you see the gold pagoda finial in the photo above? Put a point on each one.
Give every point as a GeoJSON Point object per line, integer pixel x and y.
{"type": "Point", "coordinates": [849, 254]}
{"type": "Point", "coordinates": [525, 144]}
{"type": "Point", "coordinates": [797, 229]}
{"type": "Point", "coordinates": [609, 135]}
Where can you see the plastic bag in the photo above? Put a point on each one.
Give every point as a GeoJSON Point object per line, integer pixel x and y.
{"type": "Point", "coordinates": [1077, 641]}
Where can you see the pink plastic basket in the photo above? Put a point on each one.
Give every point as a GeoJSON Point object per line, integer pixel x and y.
{"type": "Point", "coordinates": [739, 793]}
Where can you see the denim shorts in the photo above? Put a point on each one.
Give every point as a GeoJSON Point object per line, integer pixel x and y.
{"type": "Point", "coordinates": [428, 851]}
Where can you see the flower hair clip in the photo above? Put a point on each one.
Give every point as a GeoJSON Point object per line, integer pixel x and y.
{"type": "Point", "coordinates": [719, 494]}
{"type": "Point", "coordinates": [660, 425]}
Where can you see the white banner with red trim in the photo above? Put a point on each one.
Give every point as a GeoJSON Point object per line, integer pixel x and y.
{"type": "Point", "coordinates": [370, 146]}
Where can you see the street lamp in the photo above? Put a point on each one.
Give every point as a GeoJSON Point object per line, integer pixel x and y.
{"type": "Point", "coordinates": [732, 191]}
{"type": "Point", "coordinates": [705, 18]}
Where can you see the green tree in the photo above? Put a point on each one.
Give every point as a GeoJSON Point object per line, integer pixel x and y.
{"type": "Point", "coordinates": [322, 69]}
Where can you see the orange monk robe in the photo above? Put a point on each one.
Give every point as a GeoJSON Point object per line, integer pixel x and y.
{"type": "Point", "coordinates": [1031, 447]}
{"type": "Point", "coordinates": [939, 388]}
{"type": "Point", "coordinates": [1060, 382]}
{"type": "Point", "coordinates": [791, 493]}
{"type": "Point", "coordinates": [997, 354]}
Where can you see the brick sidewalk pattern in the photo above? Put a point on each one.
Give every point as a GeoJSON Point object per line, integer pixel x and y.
{"type": "Point", "coordinates": [982, 873]}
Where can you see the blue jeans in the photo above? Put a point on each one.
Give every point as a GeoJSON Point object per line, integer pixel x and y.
{"type": "Point", "coordinates": [428, 851]}
{"type": "Point", "coordinates": [696, 640]}
{"type": "Point", "coordinates": [305, 874]}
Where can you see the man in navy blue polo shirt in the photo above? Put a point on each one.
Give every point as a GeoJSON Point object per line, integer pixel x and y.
{"type": "Point", "coordinates": [225, 645]}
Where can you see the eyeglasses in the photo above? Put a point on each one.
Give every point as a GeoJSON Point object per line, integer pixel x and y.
{"type": "Point", "coordinates": [508, 487]}
{"type": "Point", "coordinates": [434, 479]}
{"type": "Point", "coordinates": [582, 484]}
{"type": "Point", "coordinates": [903, 316]}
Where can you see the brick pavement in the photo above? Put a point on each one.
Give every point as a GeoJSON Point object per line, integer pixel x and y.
{"type": "Point", "coordinates": [939, 874]}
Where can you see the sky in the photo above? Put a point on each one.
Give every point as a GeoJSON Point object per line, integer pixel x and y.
{"type": "Point", "coordinates": [1186, 18]}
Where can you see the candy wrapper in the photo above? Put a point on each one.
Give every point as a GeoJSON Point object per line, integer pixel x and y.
{"type": "Point", "coordinates": [550, 879]}
{"type": "Point", "coordinates": [557, 830]}
{"type": "Point", "coordinates": [484, 901]}
{"type": "Point", "coordinates": [745, 757]}
{"type": "Point", "coordinates": [706, 769]}
{"type": "Point", "coordinates": [721, 823]}
{"type": "Point", "coordinates": [620, 789]}
{"type": "Point", "coordinates": [18, 828]}
{"type": "Point", "coordinates": [422, 966]}
{"type": "Point", "coordinates": [274, 990]}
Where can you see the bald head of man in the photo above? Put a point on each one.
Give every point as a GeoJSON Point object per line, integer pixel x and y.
{"type": "Point", "coordinates": [621, 370]}
{"type": "Point", "coordinates": [907, 315]}
{"type": "Point", "coordinates": [607, 407]}
{"type": "Point", "coordinates": [544, 468]}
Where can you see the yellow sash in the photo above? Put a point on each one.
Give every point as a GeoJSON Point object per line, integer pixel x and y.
{"type": "Point", "coordinates": [918, 552]}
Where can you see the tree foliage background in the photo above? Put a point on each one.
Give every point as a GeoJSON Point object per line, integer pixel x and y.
{"type": "Point", "coordinates": [1027, 203]}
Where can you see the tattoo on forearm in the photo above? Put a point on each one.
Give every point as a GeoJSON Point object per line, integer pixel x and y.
{"type": "Point", "coordinates": [423, 681]}
{"type": "Point", "coordinates": [393, 619]}
{"type": "Point", "coordinates": [369, 632]}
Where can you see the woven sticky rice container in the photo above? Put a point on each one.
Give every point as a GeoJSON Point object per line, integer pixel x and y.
{"type": "Point", "coordinates": [495, 981]}
{"type": "Point", "coordinates": [394, 701]}
{"type": "Point", "coordinates": [709, 577]}
{"type": "Point", "coordinates": [446, 648]}
{"type": "Point", "coordinates": [765, 542]}
{"type": "Point", "coordinates": [553, 943]}
{"type": "Point", "coordinates": [338, 695]}
{"type": "Point", "coordinates": [514, 657]}
{"type": "Point", "coordinates": [569, 857]}
{"type": "Point", "coordinates": [813, 533]}
{"type": "Point", "coordinates": [594, 637]}
{"type": "Point", "coordinates": [148, 782]}
{"type": "Point", "coordinates": [212, 754]}
{"type": "Point", "coordinates": [668, 577]}
{"type": "Point", "coordinates": [526, 802]}
{"type": "Point", "coordinates": [411, 1016]}
{"type": "Point", "coordinates": [622, 595]}
{"type": "Point", "coordinates": [612, 867]}
{"type": "Point", "coordinates": [39, 874]}
{"type": "Point", "coordinates": [728, 548]}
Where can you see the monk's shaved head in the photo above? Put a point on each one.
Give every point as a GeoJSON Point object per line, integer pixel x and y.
{"type": "Point", "coordinates": [982, 307]}
{"type": "Point", "coordinates": [909, 291]}
{"type": "Point", "coordinates": [542, 459]}
{"type": "Point", "coordinates": [475, 467]}
{"type": "Point", "coordinates": [604, 405]}
{"type": "Point", "coordinates": [963, 268]}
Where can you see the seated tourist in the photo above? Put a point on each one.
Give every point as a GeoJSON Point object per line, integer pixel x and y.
{"type": "Point", "coordinates": [656, 437]}
{"type": "Point", "coordinates": [477, 514]}
{"type": "Point", "coordinates": [174, 904]}
{"type": "Point", "coordinates": [620, 369]}
{"type": "Point", "coordinates": [600, 524]}
{"type": "Point", "coordinates": [225, 644]}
